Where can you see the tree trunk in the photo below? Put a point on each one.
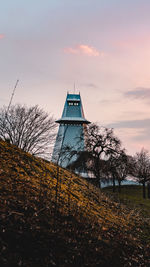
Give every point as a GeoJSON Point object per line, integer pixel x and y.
{"type": "Point", "coordinates": [144, 190]}
{"type": "Point", "coordinates": [148, 189]}
{"type": "Point", "coordinates": [119, 187]}
{"type": "Point", "coordinates": [56, 194]}
{"type": "Point", "coordinates": [114, 185]}
{"type": "Point", "coordinates": [98, 182]}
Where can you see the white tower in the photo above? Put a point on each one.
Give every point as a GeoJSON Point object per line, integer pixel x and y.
{"type": "Point", "coordinates": [71, 128]}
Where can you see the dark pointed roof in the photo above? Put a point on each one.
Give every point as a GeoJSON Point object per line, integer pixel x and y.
{"type": "Point", "coordinates": [73, 110]}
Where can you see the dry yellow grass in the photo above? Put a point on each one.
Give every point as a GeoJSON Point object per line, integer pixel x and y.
{"type": "Point", "coordinates": [46, 202]}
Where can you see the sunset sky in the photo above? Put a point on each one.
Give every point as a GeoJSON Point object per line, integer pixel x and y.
{"type": "Point", "coordinates": [103, 46]}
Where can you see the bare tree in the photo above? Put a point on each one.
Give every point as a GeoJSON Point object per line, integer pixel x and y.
{"type": "Point", "coordinates": [62, 153]}
{"type": "Point", "coordinates": [81, 164]}
{"type": "Point", "coordinates": [118, 168]}
{"type": "Point", "coordinates": [141, 168]}
{"type": "Point", "coordinates": [100, 144]}
{"type": "Point", "coordinates": [112, 165]}
{"type": "Point", "coordinates": [29, 128]}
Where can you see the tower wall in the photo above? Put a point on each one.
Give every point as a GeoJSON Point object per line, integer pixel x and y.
{"type": "Point", "coordinates": [71, 136]}
{"type": "Point", "coordinates": [71, 131]}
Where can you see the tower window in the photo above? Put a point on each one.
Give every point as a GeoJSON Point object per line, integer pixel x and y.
{"type": "Point", "coordinates": [73, 103]}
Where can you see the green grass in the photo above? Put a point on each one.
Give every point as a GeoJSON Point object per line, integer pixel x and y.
{"type": "Point", "coordinates": [131, 195]}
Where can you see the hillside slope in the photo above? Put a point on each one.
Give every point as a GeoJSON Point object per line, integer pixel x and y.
{"type": "Point", "coordinates": [69, 223]}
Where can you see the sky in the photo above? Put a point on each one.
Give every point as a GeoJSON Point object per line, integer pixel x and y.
{"type": "Point", "coordinates": [101, 46]}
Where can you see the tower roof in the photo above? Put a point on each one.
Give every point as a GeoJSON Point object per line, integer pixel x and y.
{"type": "Point", "coordinates": [73, 110]}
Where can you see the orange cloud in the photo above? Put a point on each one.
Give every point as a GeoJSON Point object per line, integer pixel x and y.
{"type": "Point", "coordinates": [83, 49]}
{"type": "Point", "coordinates": [1, 36]}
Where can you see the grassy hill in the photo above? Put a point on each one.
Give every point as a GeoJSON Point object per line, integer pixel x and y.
{"type": "Point", "coordinates": [51, 217]}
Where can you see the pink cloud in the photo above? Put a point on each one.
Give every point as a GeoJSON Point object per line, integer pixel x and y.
{"type": "Point", "coordinates": [84, 49]}
{"type": "Point", "coordinates": [1, 36]}
{"type": "Point", "coordinates": [70, 50]}
{"type": "Point", "coordinates": [132, 42]}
